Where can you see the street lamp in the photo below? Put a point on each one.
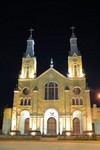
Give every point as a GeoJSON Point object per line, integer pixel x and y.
{"type": "Point", "coordinates": [99, 95]}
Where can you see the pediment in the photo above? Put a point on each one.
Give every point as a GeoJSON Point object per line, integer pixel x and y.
{"type": "Point", "coordinates": [51, 72]}
{"type": "Point", "coordinates": [74, 55]}
{"type": "Point", "coordinates": [28, 56]}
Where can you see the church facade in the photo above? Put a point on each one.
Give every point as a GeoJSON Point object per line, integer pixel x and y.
{"type": "Point", "coordinates": [51, 103]}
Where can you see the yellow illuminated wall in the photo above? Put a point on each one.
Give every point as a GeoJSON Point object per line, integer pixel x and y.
{"type": "Point", "coordinates": [29, 101]}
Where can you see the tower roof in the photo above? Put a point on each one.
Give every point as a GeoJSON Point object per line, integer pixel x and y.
{"type": "Point", "coordinates": [73, 43]}
{"type": "Point", "coordinates": [30, 45]}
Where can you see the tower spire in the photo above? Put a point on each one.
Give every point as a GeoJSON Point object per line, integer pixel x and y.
{"type": "Point", "coordinates": [29, 63]}
{"type": "Point", "coordinates": [31, 30]}
{"type": "Point", "coordinates": [30, 45]}
{"type": "Point", "coordinates": [72, 30]}
{"type": "Point", "coordinates": [73, 43]}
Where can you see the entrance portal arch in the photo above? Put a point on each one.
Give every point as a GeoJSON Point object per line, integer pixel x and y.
{"type": "Point", "coordinates": [77, 121]}
{"type": "Point", "coordinates": [24, 121]}
{"type": "Point", "coordinates": [51, 121]}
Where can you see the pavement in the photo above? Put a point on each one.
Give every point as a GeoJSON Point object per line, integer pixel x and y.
{"type": "Point", "coordinates": [48, 139]}
{"type": "Point", "coordinates": [49, 145]}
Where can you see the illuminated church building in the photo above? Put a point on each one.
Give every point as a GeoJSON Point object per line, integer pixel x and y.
{"type": "Point", "coordinates": [51, 103]}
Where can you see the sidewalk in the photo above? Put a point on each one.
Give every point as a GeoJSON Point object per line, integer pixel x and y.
{"type": "Point", "coordinates": [49, 139]}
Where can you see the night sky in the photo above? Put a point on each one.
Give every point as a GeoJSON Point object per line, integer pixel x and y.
{"type": "Point", "coordinates": [51, 21]}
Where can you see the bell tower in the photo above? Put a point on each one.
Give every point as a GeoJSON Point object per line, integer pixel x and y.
{"type": "Point", "coordinates": [29, 63]}
{"type": "Point", "coordinates": [75, 69]}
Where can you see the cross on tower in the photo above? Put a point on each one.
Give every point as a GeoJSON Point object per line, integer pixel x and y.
{"type": "Point", "coordinates": [72, 29]}
{"type": "Point", "coordinates": [31, 30]}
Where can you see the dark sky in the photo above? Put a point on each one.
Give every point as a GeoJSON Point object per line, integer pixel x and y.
{"type": "Point", "coordinates": [51, 21]}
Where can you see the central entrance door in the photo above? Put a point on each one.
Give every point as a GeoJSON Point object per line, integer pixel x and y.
{"type": "Point", "coordinates": [76, 126]}
{"type": "Point", "coordinates": [51, 126]}
{"type": "Point", "coordinates": [26, 126]}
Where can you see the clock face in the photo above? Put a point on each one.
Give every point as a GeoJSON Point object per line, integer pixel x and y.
{"type": "Point", "coordinates": [26, 91]}
{"type": "Point", "coordinates": [76, 90]}
{"type": "Point", "coordinates": [74, 59]}
{"type": "Point", "coordinates": [28, 61]}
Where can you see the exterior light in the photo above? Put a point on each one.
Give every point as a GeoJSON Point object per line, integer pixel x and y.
{"type": "Point", "coordinates": [12, 133]}
{"type": "Point", "coordinates": [99, 95]}
{"type": "Point", "coordinates": [68, 133]}
{"type": "Point", "coordinates": [90, 133]}
{"type": "Point", "coordinates": [33, 133]}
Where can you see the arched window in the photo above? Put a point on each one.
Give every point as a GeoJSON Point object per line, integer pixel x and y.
{"type": "Point", "coordinates": [29, 101]}
{"type": "Point", "coordinates": [77, 101]}
{"type": "Point", "coordinates": [25, 102]}
{"type": "Point", "coordinates": [21, 101]}
{"type": "Point", "coordinates": [73, 101]}
{"type": "Point", "coordinates": [81, 101]}
{"type": "Point", "coordinates": [28, 69]}
{"type": "Point", "coordinates": [75, 70]}
{"type": "Point", "coordinates": [51, 91]}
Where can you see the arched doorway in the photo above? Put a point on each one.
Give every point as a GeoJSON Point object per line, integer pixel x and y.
{"type": "Point", "coordinates": [78, 116]}
{"type": "Point", "coordinates": [76, 125]}
{"type": "Point", "coordinates": [24, 119]}
{"type": "Point", "coordinates": [26, 126]}
{"type": "Point", "coordinates": [50, 113]}
{"type": "Point", "coordinates": [51, 126]}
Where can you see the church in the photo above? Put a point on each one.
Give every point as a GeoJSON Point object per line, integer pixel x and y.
{"type": "Point", "coordinates": [51, 103]}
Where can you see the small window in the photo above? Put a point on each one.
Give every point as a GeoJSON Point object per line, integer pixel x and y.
{"type": "Point", "coordinates": [73, 101]}
{"type": "Point", "coordinates": [25, 102]}
{"type": "Point", "coordinates": [81, 101]}
{"type": "Point", "coordinates": [75, 70]}
{"type": "Point", "coordinates": [26, 90]}
{"type": "Point", "coordinates": [21, 101]}
{"type": "Point", "coordinates": [77, 101]}
{"type": "Point", "coordinates": [29, 101]}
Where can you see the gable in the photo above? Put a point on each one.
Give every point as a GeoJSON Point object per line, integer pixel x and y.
{"type": "Point", "coordinates": [51, 74]}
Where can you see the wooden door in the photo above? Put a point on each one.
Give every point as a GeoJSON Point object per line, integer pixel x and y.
{"type": "Point", "coordinates": [76, 125]}
{"type": "Point", "coordinates": [26, 126]}
{"type": "Point", "coordinates": [51, 126]}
